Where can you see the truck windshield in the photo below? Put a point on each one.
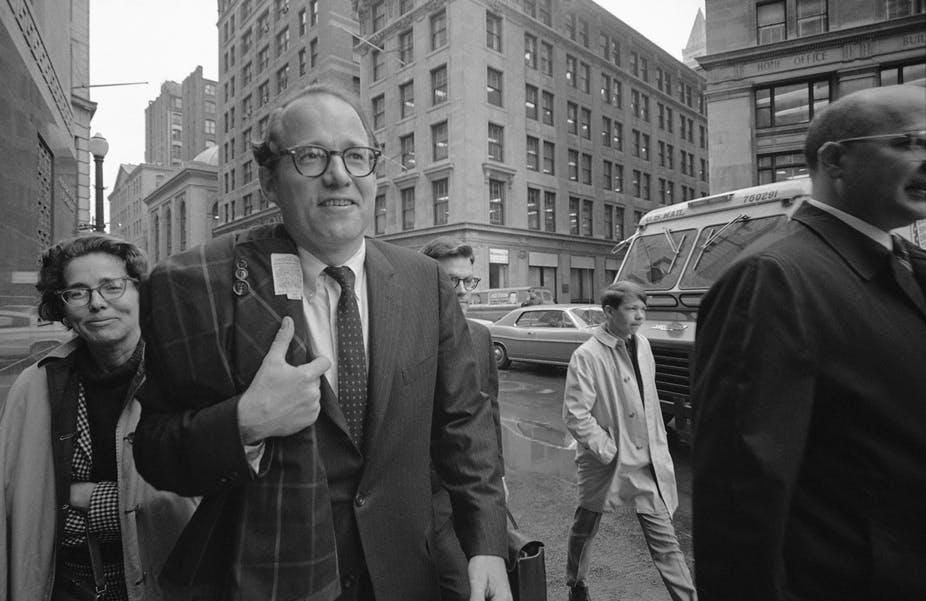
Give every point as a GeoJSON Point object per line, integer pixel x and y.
{"type": "Point", "coordinates": [655, 260]}
{"type": "Point", "coordinates": [729, 240]}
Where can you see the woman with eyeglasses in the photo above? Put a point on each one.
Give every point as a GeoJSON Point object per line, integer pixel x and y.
{"type": "Point", "coordinates": [79, 521]}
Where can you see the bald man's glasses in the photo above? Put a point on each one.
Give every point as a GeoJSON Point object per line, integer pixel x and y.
{"type": "Point", "coordinates": [312, 161]}
{"type": "Point", "coordinates": [913, 140]}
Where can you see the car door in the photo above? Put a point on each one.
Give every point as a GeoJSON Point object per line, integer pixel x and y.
{"type": "Point", "coordinates": [519, 337]}
{"type": "Point", "coordinates": [552, 336]}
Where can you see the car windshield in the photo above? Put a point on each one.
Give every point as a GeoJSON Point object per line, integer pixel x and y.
{"type": "Point", "coordinates": [719, 244]}
{"type": "Point", "coordinates": [655, 261]}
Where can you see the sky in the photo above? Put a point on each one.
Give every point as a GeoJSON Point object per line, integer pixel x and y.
{"type": "Point", "coordinates": [159, 40]}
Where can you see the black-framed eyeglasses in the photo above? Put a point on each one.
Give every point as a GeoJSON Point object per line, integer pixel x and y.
{"type": "Point", "coordinates": [312, 161]}
{"type": "Point", "coordinates": [80, 296]}
{"type": "Point", "coordinates": [910, 140]}
{"type": "Point", "coordinates": [469, 283]}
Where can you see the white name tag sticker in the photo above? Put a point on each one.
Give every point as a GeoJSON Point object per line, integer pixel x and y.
{"type": "Point", "coordinates": [287, 275]}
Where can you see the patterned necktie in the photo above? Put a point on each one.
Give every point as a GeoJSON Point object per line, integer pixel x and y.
{"type": "Point", "coordinates": [901, 253]}
{"type": "Point", "coordinates": [352, 363]}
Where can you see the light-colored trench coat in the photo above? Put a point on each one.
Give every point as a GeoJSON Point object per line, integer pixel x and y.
{"type": "Point", "coordinates": [150, 520]}
{"type": "Point", "coordinates": [619, 435]}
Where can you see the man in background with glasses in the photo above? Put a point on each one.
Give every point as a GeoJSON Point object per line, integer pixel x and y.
{"type": "Point", "coordinates": [305, 378]}
{"type": "Point", "coordinates": [809, 380]}
{"type": "Point", "coordinates": [457, 259]}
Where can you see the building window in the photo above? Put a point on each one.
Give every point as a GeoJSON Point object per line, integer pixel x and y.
{"type": "Point", "coordinates": [263, 58]}
{"type": "Point", "coordinates": [533, 153]}
{"type": "Point", "coordinates": [439, 85]}
{"type": "Point", "coordinates": [379, 112]}
{"type": "Point", "coordinates": [811, 17]}
{"type": "Point", "coordinates": [263, 93]}
{"type": "Point", "coordinates": [583, 32]}
{"type": "Point", "coordinates": [572, 162]}
{"type": "Point", "coordinates": [438, 30]}
{"type": "Point", "coordinates": [210, 126]}
{"type": "Point", "coordinates": [587, 217]}
{"type": "Point", "coordinates": [644, 147]}
{"type": "Point", "coordinates": [545, 12]}
{"type": "Point", "coordinates": [377, 65]}
{"type": "Point", "coordinates": [572, 118]}
{"type": "Point", "coordinates": [549, 158]}
{"type": "Point", "coordinates": [547, 107]}
{"type": "Point", "coordinates": [605, 131]}
{"type": "Point", "coordinates": [379, 212]}
{"type": "Point", "coordinates": [247, 172]}
{"type": "Point", "coordinates": [549, 211]}
{"type": "Point", "coordinates": [790, 104]}
{"type": "Point", "coordinates": [770, 22]}
{"type": "Point", "coordinates": [439, 141]}
{"type": "Point", "coordinates": [533, 209]}
{"type": "Point", "coordinates": [646, 186]}
{"type": "Point", "coordinates": [780, 166]}
{"type": "Point", "coordinates": [530, 101]}
{"type": "Point", "coordinates": [282, 42]}
{"type": "Point", "coordinates": [440, 192]}
{"type": "Point", "coordinates": [546, 58]}
{"type": "Point", "coordinates": [406, 47]}
{"type": "Point", "coordinates": [282, 79]}
{"type": "Point", "coordinates": [493, 31]}
{"type": "Point", "coordinates": [618, 136]}
{"type": "Point", "coordinates": [571, 70]}
{"type": "Point", "coordinates": [607, 174]}
{"type": "Point", "coordinates": [494, 86]}
{"type": "Point", "coordinates": [904, 8]}
{"type": "Point", "coordinates": [584, 77]}
{"type": "Point", "coordinates": [408, 209]}
{"type": "Point", "coordinates": [407, 99]}
{"type": "Point", "coordinates": [496, 202]}
{"type": "Point", "coordinates": [530, 51]}
{"type": "Point", "coordinates": [618, 221]}
{"type": "Point", "coordinates": [586, 167]}
{"type": "Point", "coordinates": [574, 208]}
{"type": "Point", "coordinates": [636, 183]}
{"type": "Point", "coordinates": [313, 52]}
{"type": "Point", "coordinates": [635, 151]}
{"type": "Point", "coordinates": [496, 142]}
{"type": "Point", "coordinates": [407, 149]}
{"type": "Point", "coordinates": [303, 64]}
{"type": "Point", "coordinates": [914, 74]}
{"type": "Point", "coordinates": [585, 123]}
{"type": "Point", "coordinates": [378, 14]}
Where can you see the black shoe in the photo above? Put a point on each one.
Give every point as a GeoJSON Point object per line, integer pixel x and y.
{"type": "Point", "coordinates": [579, 593]}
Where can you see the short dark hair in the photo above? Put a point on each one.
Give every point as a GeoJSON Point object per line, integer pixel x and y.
{"type": "Point", "coordinates": [616, 293]}
{"type": "Point", "coordinates": [266, 152]}
{"type": "Point", "coordinates": [862, 113]}
{"type": "Point", "coordinates": [445, 248]}
{"type": "Point", "coordinates": [55, 259]}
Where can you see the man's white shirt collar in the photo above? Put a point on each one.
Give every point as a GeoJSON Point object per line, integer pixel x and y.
{"type": "Point", "coordinates": [312, 268]}
{"type": "Point", "coordinates": [878, 235]}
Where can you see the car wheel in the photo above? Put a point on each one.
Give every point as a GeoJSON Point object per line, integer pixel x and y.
{"type": "Point", "coordinates": [501, 356]}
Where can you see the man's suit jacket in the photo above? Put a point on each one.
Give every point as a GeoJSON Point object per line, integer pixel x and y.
{"type": "Point", "coordinates": [809, 388]}
{"type": "Point", "coordinates": [205, 344]}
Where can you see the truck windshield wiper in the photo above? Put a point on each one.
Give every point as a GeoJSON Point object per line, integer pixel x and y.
{"type": "Point", "coordinates": [714, 236]}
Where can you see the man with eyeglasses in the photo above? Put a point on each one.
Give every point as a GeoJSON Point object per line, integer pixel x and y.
{"type": "Point", "coordinates": [305, 378]}
{"type": "Point", "coordinates": [809, 379]}
{"type": "Point", "coordinates": [457, 259]}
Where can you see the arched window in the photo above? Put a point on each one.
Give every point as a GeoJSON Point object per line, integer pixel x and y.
{"type": "Point", "coordinates": [183, 228]}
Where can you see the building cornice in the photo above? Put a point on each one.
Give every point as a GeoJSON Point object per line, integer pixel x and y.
{"type": "Point", "coordinates": [862, 35]}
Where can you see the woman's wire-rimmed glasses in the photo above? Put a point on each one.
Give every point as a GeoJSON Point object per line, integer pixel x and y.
{"type": "Point", "coordinates": [80, 296]}
{"type": "Point", "coordinates": [312, 161]}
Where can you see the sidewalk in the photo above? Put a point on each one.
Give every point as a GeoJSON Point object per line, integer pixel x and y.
{"type": "Point", "coordinates": [541, 482]}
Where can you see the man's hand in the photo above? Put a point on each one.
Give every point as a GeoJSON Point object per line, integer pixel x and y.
{"type": "Point", "coordinates": [488, 579]}
{"type": "Point", "coordinates": [282, 399]}
{"type": "Point", "coordinates": [79, 497]}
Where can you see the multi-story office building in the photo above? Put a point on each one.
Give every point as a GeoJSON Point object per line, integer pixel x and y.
{"type": "Point", "coordinates": [128, 217]}
{"type": "Point", "coordinates": [182, 210]}
{"type": "Point", "coordinates": [45, 186]}
{"type": "Point", "coordinates": [537, 131]}
{"type": "Point", "coordinates": [181, 122]}
{"type": "Point", "coordinates": [771, 64]}
{"type": "Point", "coordinates": [269, 50]}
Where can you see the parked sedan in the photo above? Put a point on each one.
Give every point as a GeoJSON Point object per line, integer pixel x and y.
{"type": "Point", "coordinates": [543, 333]}
{"type": "Point", "coordinates": [24, 334]}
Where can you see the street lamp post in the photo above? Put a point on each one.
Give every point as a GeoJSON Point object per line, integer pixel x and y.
{"type": "Point", "coordinates": [98, 148]}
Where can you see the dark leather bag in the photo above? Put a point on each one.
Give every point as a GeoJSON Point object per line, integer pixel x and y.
{"type": "Point", "coordinates": [526, 563]}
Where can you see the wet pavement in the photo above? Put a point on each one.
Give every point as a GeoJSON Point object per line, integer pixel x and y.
{"type": "Point", "coordinates": [539, 455]}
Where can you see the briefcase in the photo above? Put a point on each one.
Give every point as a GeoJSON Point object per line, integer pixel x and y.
{"type": "Point", "coordinates": [527, 570]}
